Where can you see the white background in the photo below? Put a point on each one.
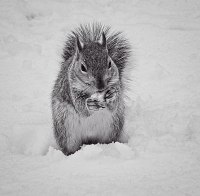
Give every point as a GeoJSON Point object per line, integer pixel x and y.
{"type": "Point", "coordinates": [162, 156]}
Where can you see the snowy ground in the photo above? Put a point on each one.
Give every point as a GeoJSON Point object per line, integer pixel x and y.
{"type": "Point", "coordinates": [162, 156]}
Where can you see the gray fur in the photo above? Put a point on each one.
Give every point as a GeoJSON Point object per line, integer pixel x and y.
{"type": "Point", "coordinates": [85, 76]}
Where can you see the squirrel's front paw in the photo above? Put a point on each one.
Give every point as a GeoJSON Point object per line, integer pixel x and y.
{"type": "Point", "coordinates": [100, 100]}
{"type": "Point", "coordinates": [110, 95]}
{"type": "Point", "coordinates": [94, 104]}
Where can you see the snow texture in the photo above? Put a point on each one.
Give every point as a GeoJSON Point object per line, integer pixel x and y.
{"type": "Point", "coordinates": [162, 154]}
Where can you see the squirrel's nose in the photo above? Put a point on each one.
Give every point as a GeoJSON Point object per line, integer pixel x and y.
{"type": "Point", "coordinates": [100, 83]}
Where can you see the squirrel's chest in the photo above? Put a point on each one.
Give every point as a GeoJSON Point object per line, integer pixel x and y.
{"type": "Point", "coordinates": [97, 126]}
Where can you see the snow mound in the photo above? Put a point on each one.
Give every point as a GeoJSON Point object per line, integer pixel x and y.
{"type": "Point", "coordinates": [114, 150]}
{"type": "Point", "coordinates": [31, 139]}
{"type": "Point", "coordinates": [55, 155]}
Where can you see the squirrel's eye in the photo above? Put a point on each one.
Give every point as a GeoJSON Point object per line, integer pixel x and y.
{"type": "Point", "coordinates": [109, 65]}
{"type": "Point", "coordinates": [83, 68]}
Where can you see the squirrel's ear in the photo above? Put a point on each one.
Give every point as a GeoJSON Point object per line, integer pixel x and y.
{"type": "Point", "coordinates": [103, 40]}
{"type": "Point", "coordinates": [79, 44]}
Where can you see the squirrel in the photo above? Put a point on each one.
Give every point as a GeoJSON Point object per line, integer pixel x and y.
{"type": "Point", "coordinates": [88, 95]}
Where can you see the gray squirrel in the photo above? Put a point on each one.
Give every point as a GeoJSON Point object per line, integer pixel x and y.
{"type": "Point", "coordinates": [88, 95]}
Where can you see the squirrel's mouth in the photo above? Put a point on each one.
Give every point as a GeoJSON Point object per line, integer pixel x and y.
{"type": "Point", "coordinates": [100, 100]}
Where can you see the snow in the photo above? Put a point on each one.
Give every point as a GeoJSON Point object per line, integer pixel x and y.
{"type": "Point", "coordinates": [161, 153]}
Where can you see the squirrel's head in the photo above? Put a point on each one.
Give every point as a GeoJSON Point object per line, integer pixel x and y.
{"type": "Point", "coordinates": [92, 70]}
{"type": "Point", "coordinates": [92, 65]}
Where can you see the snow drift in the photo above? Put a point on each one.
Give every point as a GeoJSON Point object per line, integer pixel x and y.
{"type": "Point", "coordinates": [162, 155]}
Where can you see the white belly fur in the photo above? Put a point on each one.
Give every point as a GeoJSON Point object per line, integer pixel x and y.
{"type": "Point", "coordinates": [96, 126]}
